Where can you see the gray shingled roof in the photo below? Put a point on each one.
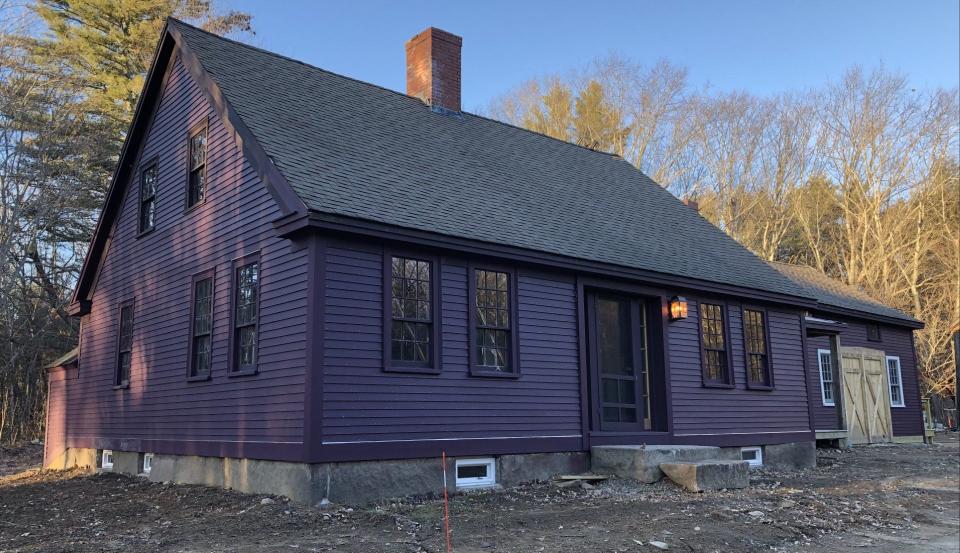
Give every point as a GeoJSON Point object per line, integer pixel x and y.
{"type": "Point", "coordinates": [353, 149]}
{"type": "Point", "coordinates": [831, 292]}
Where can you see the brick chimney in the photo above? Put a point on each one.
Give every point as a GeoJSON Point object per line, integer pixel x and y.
{"type": "Point", "coordinates": [433, 68]}
{"type": "Point", "coordinates": [692, 204]}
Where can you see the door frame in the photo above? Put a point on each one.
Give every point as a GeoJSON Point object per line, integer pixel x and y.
{"type": "Point", "coordinates": [656, 304]}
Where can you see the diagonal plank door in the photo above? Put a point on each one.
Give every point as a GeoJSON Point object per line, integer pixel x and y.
{"type": "Point", "coordinates": [865, 397]}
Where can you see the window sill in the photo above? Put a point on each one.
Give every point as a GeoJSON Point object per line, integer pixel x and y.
{"type": "Point", "coordinates": [898, 406]}
{"type": "Point", "coordinates": [829, 404]}
{"type": "Point", "coordinates": [194, 207]}
{"type": "Point", "coordinates": [244, 372]}
{"type": "Point", "coordinates": [760, 388]}
{"type": "Point", "coordinates": [198, 378]}
{"type": "Point", "coordinates": [719, 385]}
{"type": "Point", "coordinates": [123, 386]}
{"type": "Point", "coordinates": [413, 369]}
{"type": "Point", "coordinates": [146, 232]}
{"type": "Point", "coordinates": [481, 373]}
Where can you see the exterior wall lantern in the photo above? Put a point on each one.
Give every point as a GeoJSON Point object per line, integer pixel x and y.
{"type": "Point", "coordinates": [678, 308]}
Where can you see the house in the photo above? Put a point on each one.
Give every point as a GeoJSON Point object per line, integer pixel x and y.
{"type": "Point", "coordinates": [873, 394]}
{"type": "Point", "coordinates": [310, 285]}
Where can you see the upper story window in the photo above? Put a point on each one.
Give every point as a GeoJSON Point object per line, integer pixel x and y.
{"type": "Point", "coordinates": [148, 196]}
{"type": "Point", "coordinates": [757, 349]}
{"type": "Point", "coordinates": [124, 345]}
{"type": "Point", "coordinates": [825, 361]}
{"type": "Point", "coordinates": [873, 332]}
{"type": "Point", "coordinates": [713, 334]}
{"type": "Point", "coordinates": [493, 336]}
{"type": "Point", "coordinates": [197, 166]}
{"type": "Point", "coordinates": [201, 326]}
{"type": "Point", "coordinates": [410, 332]}
{"type": "Point", "coordinates": [895, 380]}
{"type": "Point", "coordinates": [245, 308]}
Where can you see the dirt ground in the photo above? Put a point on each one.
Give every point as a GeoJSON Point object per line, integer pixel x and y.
{"type": "Point", "coordinates": [900, 498]}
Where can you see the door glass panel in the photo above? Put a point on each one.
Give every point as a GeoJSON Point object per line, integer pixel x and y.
{"type": "Point", "coordinates": [613, 327]}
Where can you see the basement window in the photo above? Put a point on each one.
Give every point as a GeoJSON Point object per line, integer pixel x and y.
{"type": "Point", "coordinates": [476, 473]}
{"type": "Point", "coordinates": [753, 455]}
{"type": "Point", "coordinates": [147, 463]}
{"type": "Point", "coordinates": [106, 459]}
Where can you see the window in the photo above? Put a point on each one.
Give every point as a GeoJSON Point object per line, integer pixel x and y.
{"type": "Point", "coordinates": [197, 166]}
{"type": "Point", "coordinates": [716, 364]}
{"type": "Point", "coordinates": [106, 459]}
{"type": "Point", "coordinates": [124, 345]}
{"type": "Point", "coordinates": [753, 455]}
{"type": "Point", "coordinates": [245, 307]}
{"type": "Point", "coordinates": [757, 349]}
{"type": "Point", "coordinates": [146, 463]}
{"type": "Point", "coordinates": [148, 197]}
{"type": "Point", "coordinates": [492, 319]}
{"type": "Point", "coordinates": [873, 332]}
{"type": "Point", "coordinates": [476, 473]}
{"type": "Point", "coordinates": [201, 326]}
{"type": "Point", "coordinates": [410, 333]}
{"type": "Point", "coordinates": [825, 360]}
{"type": "Point", "coordinates": [896, 382]}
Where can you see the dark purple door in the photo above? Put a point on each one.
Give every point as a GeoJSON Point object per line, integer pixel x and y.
{"type": "Point", "coordinates": [619, 362]}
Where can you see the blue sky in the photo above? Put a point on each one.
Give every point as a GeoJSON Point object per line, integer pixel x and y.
{"type": "Point", "coordinates": [758, 46]}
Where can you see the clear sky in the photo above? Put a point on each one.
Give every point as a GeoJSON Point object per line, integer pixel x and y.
{"type": "Point", "coordinates": [753, 45]}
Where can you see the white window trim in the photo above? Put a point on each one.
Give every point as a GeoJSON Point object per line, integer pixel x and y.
{"type": "Point", "coordinates": [147, 463]}
{"type": "Point", "coordinates": [488, 481]}
{"type": "Point", "coordinates": [823, 388]}
{"type": "Point", "coordinates": [901, 402]}
{"type": "Point", "coordinates": [106, 454]}
{"type": "Point", "coordinates": [756, 461]}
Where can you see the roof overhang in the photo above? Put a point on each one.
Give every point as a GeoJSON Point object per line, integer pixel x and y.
{"type": "Point", "coordinates": [873, 317]}
{"type": "Point", "coordinates": [297, 225]}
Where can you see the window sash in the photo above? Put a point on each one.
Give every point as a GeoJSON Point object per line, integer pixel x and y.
{"type": "Point", "coordinates": [245, 315]}
{"type": "Point", "coordinates": [825, 366]}
{"type": "Point", "coordinates": [124, 344]}
{"type": "Point", "coordinates": [492, 334]}
{"type": "Point", "coordinates": [148, 195]}
{"type": "Point", "coordinates": [756, 347]}
{"type": "Point", "coordinates": [201, 340]}
{"type": "Point", "coordinates": [716, 364]}
{"type": "Point", "coordinates": [895, 382]}
{"type": "Point", "coordinates": [197, 166]}
{"type": "Point", "coordinates": [411, 310]}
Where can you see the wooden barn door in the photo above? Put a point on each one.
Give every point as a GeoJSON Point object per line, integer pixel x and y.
{"type": "Point", "coordinates": [865, 396]}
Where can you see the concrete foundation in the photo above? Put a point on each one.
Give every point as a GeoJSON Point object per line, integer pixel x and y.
{"type": "Point", "coordinates": [796, 455]}
{"type": "Point", "coordinates": [353, 483]}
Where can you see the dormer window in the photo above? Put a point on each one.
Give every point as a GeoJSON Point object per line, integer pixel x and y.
{"type": "Point", "coordinates": [197, 166]}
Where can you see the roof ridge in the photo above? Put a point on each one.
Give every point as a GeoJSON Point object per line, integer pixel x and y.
{"type": "Point", "coordinates": [390, 90]}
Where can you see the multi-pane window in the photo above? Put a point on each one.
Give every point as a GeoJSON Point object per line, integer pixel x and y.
{"type": "Point", "coordinates": [201, 327]}
{"type": "Point", "coordinates": [197, 175]}
{"type": "Point", "coordinates": [411, 311]}
{"type": "Point", "coordinates": [896, 382]}
{"type": "Point", "coordinates": [492, 321]}
{"type": "Point", "coordinates": [873, 332]}
{"type": "Point", "coordinates": [755, 338]}
{"type": "Point", "coordinates": [148, 197]}
{"type": "Point", "coordinates": [124, 345]}
{"type": "Point", "coordinates": [713, 338]}
{"type": "Point", "coordinates": [826, 377]}
{"type": "Point", "coordinates": [247, 283]}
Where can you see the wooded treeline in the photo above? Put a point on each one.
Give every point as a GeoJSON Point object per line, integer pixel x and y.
{"type": "Point", "coordinates": [70, 75]}
{"type": "Point", "coordinates": [858, 178]}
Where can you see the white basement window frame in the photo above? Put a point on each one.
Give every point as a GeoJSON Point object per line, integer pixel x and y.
{"type": "Point", "coordinates": [895, 382]}
{"type": "Point", "coordinates": [106, 459]}
{"type": "Point", "coordinates": [753, 455]}
{"type": "Point", "coordinates": [476, 473]}
{"type": "Point", "coordinates": [147, 463]}
{"type": "Point", "coordinates": [825, 368]}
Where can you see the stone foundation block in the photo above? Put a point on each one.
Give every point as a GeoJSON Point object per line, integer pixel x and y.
{"type": "Point", "coordinates": [698, 476]}
{"type": "Point", "coordinates": [643, 462]}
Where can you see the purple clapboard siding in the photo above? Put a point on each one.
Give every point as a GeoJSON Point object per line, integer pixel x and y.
{"type": "Point", "coordinates": [702, 411]}
{"type": "Point", "coordinates": [362, 403]}
{"type": "Point", "coordinates": [824, 416]}
{"type": "Point", "coordinates": [161, 407]}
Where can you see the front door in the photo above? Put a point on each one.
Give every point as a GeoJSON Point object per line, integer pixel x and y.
{"type": "Point", "coordinates": [617, 335]}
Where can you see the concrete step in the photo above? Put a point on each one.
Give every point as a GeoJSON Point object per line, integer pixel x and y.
{"type": "Point", "coordinates": [712, 474]}
{"type": "Point", "coordinates": [642, 462]}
